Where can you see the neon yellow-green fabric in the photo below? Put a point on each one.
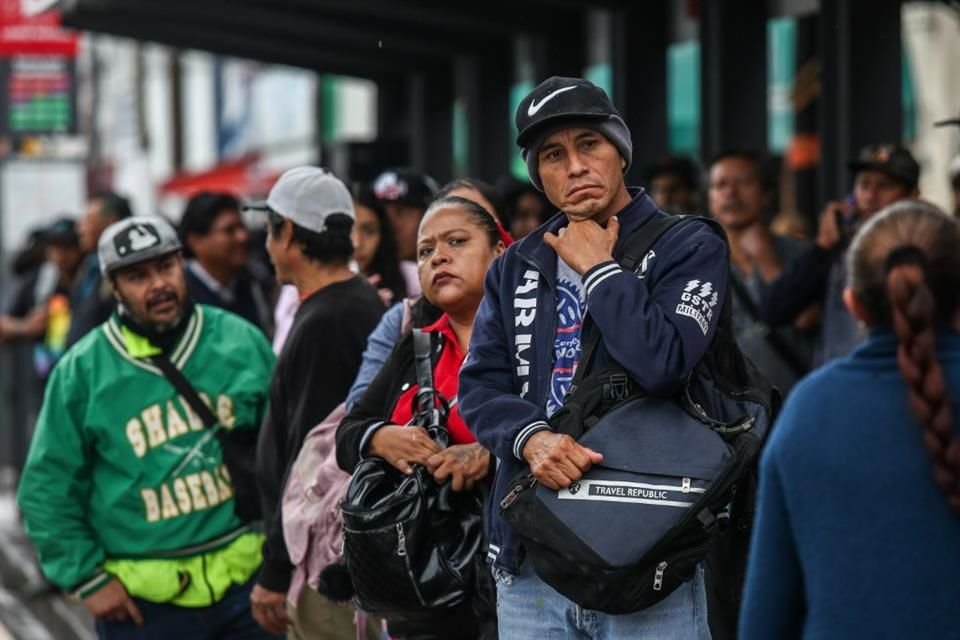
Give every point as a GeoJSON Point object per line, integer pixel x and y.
{"type": "Point", "coordinates": [120, 467]}
{"type": "Point", "coordinates": [197, 581]}
{"type": "Point", "coordinates": [138, 346]}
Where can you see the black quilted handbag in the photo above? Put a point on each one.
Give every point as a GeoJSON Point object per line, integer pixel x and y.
{"type": "Point", "coordinates": [410, 544]}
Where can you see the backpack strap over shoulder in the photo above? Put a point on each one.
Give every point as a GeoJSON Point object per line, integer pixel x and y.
{"type": "Point", "coordinates": [636, 248]}
{"type": "Point", "coordinates": [641, 241]}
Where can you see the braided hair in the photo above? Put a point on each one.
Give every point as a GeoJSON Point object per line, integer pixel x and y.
{"type": "Point", "coordinates": [904, 267]}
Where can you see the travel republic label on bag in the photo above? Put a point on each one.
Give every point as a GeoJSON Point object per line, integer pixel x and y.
{"type": "Point", "coordinates": [664, 495]}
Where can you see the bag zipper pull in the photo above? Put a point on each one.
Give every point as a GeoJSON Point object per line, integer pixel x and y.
{"type": "Point", "coordinates": [511, 496]}
{"type": "Point", "coordinates": [401, 540]}
{"type": "Point", "coordinates": [700, 410]}
{"type": "Point", "coordinates": [686, 485]}
{"type": "Point", "coordinates": [514, 493]}
{"type": "Point", "coordinates": [658, 576]}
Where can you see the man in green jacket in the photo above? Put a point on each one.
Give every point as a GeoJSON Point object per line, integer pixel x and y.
{"type": "Point", "coordinates": [125, 493]}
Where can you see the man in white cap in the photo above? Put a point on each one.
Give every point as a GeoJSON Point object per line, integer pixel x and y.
{"type": "Point", "coordinates": [310, 216]}
{"type": "Point", "coordinates": [126, 494]}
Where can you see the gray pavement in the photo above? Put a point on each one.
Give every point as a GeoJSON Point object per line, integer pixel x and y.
{"type": "Point", "coordinates": [24, 616]}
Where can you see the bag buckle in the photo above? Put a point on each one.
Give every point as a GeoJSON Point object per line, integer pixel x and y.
{"type": "Point", "coordinates": [617, 387]}
{"type": "Point", "coordinates": [714, 521]}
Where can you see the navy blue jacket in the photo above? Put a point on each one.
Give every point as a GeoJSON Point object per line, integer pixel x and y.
{"type": "Point", "coordinates": [245, 303]}
{"type": "Point", "coordinates": [853, 538]}
{"type": "Point", "coordinates": [657, 324]}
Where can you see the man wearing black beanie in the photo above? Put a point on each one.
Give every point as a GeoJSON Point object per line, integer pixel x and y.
{"type": "Point", "coordinates": [525, 349]}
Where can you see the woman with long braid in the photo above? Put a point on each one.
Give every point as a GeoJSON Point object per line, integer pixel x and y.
{"type": "Point", "coordinates": [858, 527]}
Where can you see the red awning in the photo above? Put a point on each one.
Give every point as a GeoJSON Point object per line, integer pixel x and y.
{"type": "Point", "coordinates": [243, 178]}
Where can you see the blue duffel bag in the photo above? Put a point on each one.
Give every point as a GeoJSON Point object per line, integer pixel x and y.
{"type": "Point", "coordinates": [636, 525]}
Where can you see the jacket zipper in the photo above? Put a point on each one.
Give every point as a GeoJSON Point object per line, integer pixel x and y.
{"type": "Point", "coordinates": [402, 552]}
{"type": "Point", "coordinates": [515, 492]}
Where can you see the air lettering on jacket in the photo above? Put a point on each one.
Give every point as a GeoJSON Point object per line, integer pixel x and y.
{"type": "Point", "coordinates": [525, 312]}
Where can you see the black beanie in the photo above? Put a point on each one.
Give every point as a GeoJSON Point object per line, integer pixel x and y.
{"type": "Point", "coordinates": [563, 103]}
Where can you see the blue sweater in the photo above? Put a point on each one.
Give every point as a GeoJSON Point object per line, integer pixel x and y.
{"type": "Point", "coordinates": [657, 326]}
{"type": "Point", "coordinates": [853, 538]}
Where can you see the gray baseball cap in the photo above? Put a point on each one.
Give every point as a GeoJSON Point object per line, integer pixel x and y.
{"type": "Point", "coordinates": [308, 196]}
{"type": "Point", "coordinates": [133, 240]}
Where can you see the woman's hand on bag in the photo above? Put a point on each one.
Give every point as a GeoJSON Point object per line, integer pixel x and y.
{"type": "Point", "coordinates": [403, 446]}
{"type": "Point", "coordinates": [462, 464]}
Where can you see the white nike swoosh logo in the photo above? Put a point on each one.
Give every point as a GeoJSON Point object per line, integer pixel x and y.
{"type": "Point", "coordinates": [534, 107]}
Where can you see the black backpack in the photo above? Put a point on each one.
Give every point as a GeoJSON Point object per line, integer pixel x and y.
{"type": "Point", "coordinates": [636, 526]}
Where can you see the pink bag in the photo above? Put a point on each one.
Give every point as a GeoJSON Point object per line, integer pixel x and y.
{"type": "Point", "coordinates": [311, 506]}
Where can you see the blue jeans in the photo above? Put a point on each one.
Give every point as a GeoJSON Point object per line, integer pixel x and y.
{"type": "Point", "coordinates": [229, 619]}
{"type": "Point", "coordinates": [527, 609]}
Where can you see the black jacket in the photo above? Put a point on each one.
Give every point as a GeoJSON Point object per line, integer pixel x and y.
{"type": "Point", "coordinates": [375, 407]}
{"type": "Point", "coordinates": [313, 374]}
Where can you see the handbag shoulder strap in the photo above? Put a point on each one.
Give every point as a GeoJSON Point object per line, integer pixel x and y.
{"type": "Point", "coordinates": [423, 359]}
{"type": "Point", "coordinates": [432, 413]}
{"type": "Point", "coordinates": [185, 389]}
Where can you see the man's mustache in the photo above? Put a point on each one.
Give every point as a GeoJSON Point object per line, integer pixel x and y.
{"type": "Point", "coordinates": [161, 298]}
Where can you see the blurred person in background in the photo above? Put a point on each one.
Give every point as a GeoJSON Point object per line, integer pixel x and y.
{"type": "Point", "coordinates": [526, 208]}
{"type": "Point", "coordinates": [216, 243]}
{"type": "Point", "coordinates": [790, 224]}
{"type": "Point", "coordinates": [883, 174]}
{"type": "Point", "coordinates": [405, 195]}
{"type": "Point", "coordinates": [37, 322]}
{"type": "Point", "coordinates": [955, 184]}
{"type": "Point", "coordinates": [31, 255]}
{"type": "Point", "coordinates": [858, 520]}
{"type": "Point", "coordinates": [476, 190]}
{"type": "Point", "coordinates": [738, 197]}
{"type": "Point", "coordinates": [674, 184]}
{"type": "Point", "coordinates": [41, 310]}
{"type": "Point", "coordinates": [375, 247]}
{"type": "Point", "coordinates": [91, 301]}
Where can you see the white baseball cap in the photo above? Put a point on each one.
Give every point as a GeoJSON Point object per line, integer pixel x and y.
{"type": "Point", "coordinates": [308, 196]}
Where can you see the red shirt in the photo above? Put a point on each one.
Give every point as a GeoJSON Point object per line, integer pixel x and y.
{"type": "Point", "coordinates": [446, 377]}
